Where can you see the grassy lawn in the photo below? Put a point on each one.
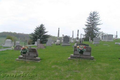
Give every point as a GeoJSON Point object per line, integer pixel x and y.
{"type": "Point", "coordinates": [2, 39]}
{"type": "Point", "coordinates": [56, 66]}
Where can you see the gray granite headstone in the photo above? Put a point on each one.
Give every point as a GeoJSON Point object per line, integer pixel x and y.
{"type": "Point", "coordinates": [8, 43]}
{"type": "Point", "coordinates": [38, 41]}
{"type": "Point", "coordinates": [66, 41]}
{"type": "Point", "coordinates": [107, 37]}
{"type": "Point", "coordinates": [32, 55]}
{"type": "Point", "coordinates": [18, 47]}
{"type": "Point", "coordinates": [39, 45]}
{"type": "Point", "coordinates": [17, 43]}
{"type": "Point", "coordinates": [96, 40]}
{"type": "Point", "coordinates": [86, 54]}
{"type": "Point", "coordinates": [49, 42]}
{"type": "Point", "coordinates": [57, 42]}
{"type": "Point", "coordinates": [35, 43]}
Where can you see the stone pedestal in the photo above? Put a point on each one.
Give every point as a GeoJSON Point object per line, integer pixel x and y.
{"type": "Point", "coordinates": [72, 56]}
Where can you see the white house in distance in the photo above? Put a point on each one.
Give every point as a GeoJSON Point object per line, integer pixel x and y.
{"type": "Point", "coordinates": [107, 37]}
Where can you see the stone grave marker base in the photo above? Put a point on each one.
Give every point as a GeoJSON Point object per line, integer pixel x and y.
{"type": "Point", "coordinates": [32, 55]}
{"type": "Point", "coordinates": [65, 44]}
{"type": "Point", "coordinates": [80, 57]}
{"type": "Point", "coordinates": [37, 59]}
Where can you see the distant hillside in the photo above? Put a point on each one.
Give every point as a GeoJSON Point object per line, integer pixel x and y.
{"type": "Point", "coordinates": [20, 36]}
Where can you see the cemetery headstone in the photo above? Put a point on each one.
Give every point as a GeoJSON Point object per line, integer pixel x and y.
{"type": "Point", "coordinates": [117, 43]}
{"type": "Point", "coordinates": [49, 42]}
{"type": "Point", "coordinates": [17, 43]}
{"type": "Point", "coordinates": [30, 54]}
{"type": "Point", "coordinates": [72, 41]}
{"type": "Point", "coordinates": [57, 42]}
{"type": "Point", "coordinates": [18, 47]}
{"type": "Point", "coordinates": [35, 43]}
{"type": "Point", "coordinates": [96, 41]}
{"type": "Point", "coordinates": [82, 51]}
{"type": "Point", "coordinates": [66, 41]}
{"type": "Point", "coordinates": [8, 43]}
{"type": "Point", "coordinates": [81, 41]}
{"type": "Point", "coordinates": [107, 37]}
{"type": "Point", "coordinates": [90, 40]}
{"type": "Point", "coordinates": [39, 45]}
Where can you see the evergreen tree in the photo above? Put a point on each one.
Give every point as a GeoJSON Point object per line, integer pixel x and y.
{"type": "Point", "coordinates": [39, 33]}
{"type": "Point", "coordinates": [91, 29]}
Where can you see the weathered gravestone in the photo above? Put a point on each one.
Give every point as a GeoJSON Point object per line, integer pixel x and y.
{"type": "Point", "coordinates": [17, 43]}
{"type": "Point", "coordinates": [117, 43]}
{"type": "Point", "coordinates": [35, 43]}
{"type": "Point", "coordinates": [18, 47]}
{"type": "Point", "coordinates": [96, 41]}
{"type": "Point", "coordinates": [57, 42]}
{"type": "Point", "coordinates": [108, 37]}
{"type": "Point", "coordinates": [84, 52]}
{"type": "Point", "coordinates": [66, 41]}
{"type": "Point", "coordinates": [81, 41]}
{"type": "Point", "coordinates": [49, 42]}
{"type": "Point", "coordinates": [71, 40]}
{"type": "Point", "coordinates": [8, 43]}
{"type": "Point", "coordinates": [90, 40]}
{"type": "Point", "coordinates": [39, 45]}
{"type": "Point", "coordinates": [31, 55]}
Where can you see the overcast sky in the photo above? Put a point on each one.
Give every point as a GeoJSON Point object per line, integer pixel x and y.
{"type": "Point", "coordinates": [23, 16]}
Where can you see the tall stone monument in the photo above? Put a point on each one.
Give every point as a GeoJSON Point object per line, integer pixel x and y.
{"type": "Point", "coordinates": [116, 35]}
{"type": "Point", "coordinates": [58, 32]}
{"type": "Point", "coordinates": [72, 39]}
{"type": "Point", "coordinates": [58, 39]}
{"type": "Point", "coordinates": [77, 39]}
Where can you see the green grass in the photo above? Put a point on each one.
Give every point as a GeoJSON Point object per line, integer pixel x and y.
{"type": "Point", "coordinates": [2, 39]}
{"type": "Point", "coordinates": [56, 66]}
